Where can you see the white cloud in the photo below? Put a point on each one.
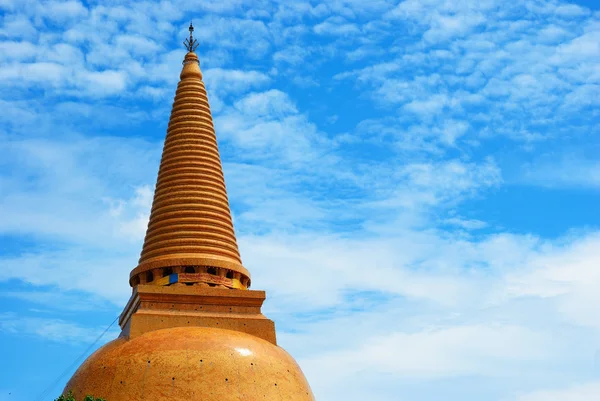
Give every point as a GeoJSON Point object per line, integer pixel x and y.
{"type": "Point", "coordinates": [66, 79]}
{"type": "Point", "coordinates": [87, 269]}
{"type": "Point", "coordinates": [358, 236]}
{"type": "Point", "coordinates": [50, 329]}
{"type": "Point", "coordinates": [105, 82]}
{"type": "Point", "coordinates": [132, 215]}
{"type": "Point", "coordinates": [584, 48]}
{"type": "Point", "coordinates": [428, 266]}
{"type": "Point", "coordinates": [50, 165]}
{"type": "Point", "coordinates": [445, 27]}
{"type": "Point", "coordinates": [66, 301]}
{"type": "Point", "coordinates": [507, 322]}
{"type": "Point", "coordinates": [584, 392]}
{"type": "Point", "coordinates": [525, 75]}
{"type": "Point", "coordinates": [17, 26]}
{"type": "Point", "coordinates": [561, 171]}
{"type": "Point", "coordinates": [292, 55]}
{"type": "Point", "coordinates": [222, 81]}
{"type": "Point", "coordinates": [18, 50]}
{"type": "Point", "coordinates": [137, 45]}
{"type": "Point", "coordinates": [552, 34]}
{"type": "Point", "coordinates": [455, 351]}
{"type": "Point", "coordinates": [429, 106]}
{"type": "Point", "coordinates": [266, 125]}
{"type": "Point", "coordinates": [272, 103]}
{"type": "Point", "coordinates": [251, 36]}
{"type": "Point", "coordinates": [336, 26]}
{"type": "Point", "coordinates": [419, 185]}
{"type": "Point", "coordinates": [570, 10]}
{"type": "Point", "coordinates": [467, 224]}
{"type": "Point", "coordinates": [61, 11]}
{"type": "Point", "coordinates": [569, 274]}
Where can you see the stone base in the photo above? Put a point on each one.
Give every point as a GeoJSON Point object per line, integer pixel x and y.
{"type": "Point", "coordinates": [154, 307]}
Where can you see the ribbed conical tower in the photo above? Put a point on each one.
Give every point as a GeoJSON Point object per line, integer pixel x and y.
{"type": "Point", "coordinates": [190, 228]}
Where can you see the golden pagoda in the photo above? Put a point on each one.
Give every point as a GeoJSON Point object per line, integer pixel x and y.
{"type": "Point", "coordinates": [192, 330]}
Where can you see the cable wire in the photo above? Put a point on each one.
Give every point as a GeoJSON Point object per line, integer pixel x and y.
{"type": "Point", "coordinates": [77, 361]}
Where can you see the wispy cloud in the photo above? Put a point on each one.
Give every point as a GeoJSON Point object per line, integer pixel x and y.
{"type": "Point", "coordinates": [54, 300]}
{"type": "Point", "coordinates": [561, 171]}
{"type": "Point", "coordinates": [50, 329]}
{"type": "Point", "coordinates": [583, 392]}
{"type": "Point", "coordinates": [365, 147]}
{"type": "Point", "coordinates": [522, 77]}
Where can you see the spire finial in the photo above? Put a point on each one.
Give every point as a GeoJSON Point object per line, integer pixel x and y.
{"type": "Point", "coordinates": [190, 43]}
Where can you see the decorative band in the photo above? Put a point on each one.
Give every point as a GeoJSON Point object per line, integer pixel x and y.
{"type": "Point", "coordinates": [199, 278]}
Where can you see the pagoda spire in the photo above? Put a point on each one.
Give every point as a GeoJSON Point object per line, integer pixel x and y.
{"type": "Point", "coordinates": [190, 229]}
{"type": "Point", "coordinates": [180, 339]}
{"type": "Point", "coordinates": [190, 43]}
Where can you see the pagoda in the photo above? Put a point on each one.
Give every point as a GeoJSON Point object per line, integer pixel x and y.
{"type": "Point", "coordinates": [192, 329]}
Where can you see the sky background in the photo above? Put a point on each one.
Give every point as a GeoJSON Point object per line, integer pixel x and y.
{"type": "Point", "coordinates": [415, 184]}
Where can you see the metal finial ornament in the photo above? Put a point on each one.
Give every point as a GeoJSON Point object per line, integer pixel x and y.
{"type": "Point", "coordinates": [190, 43]}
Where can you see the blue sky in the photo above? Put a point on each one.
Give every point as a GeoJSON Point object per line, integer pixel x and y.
{"type": "Point", "coordinates": [415, 184]}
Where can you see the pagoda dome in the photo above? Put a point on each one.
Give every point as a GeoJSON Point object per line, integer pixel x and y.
{"type": "Point", "coordinates": [191, 363]}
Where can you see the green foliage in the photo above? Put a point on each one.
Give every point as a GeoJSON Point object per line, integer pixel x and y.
{"type": "Point", "coordinates": [90, 398]}
{"type": "Point", "coordinates": [70, 397]}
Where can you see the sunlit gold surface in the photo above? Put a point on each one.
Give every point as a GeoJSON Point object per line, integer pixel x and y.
{"type": "Point", "coordinates": [190, 222]}
{"type": "Point", "coordinates": [155, 307]}
{"type": "Point", "coordinates": [188, 364]}
{"type": "Point", "coordinates": [201, 341]}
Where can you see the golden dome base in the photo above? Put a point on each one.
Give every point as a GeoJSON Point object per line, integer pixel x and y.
{"type": "Point", "coordinates": [191, 363]}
